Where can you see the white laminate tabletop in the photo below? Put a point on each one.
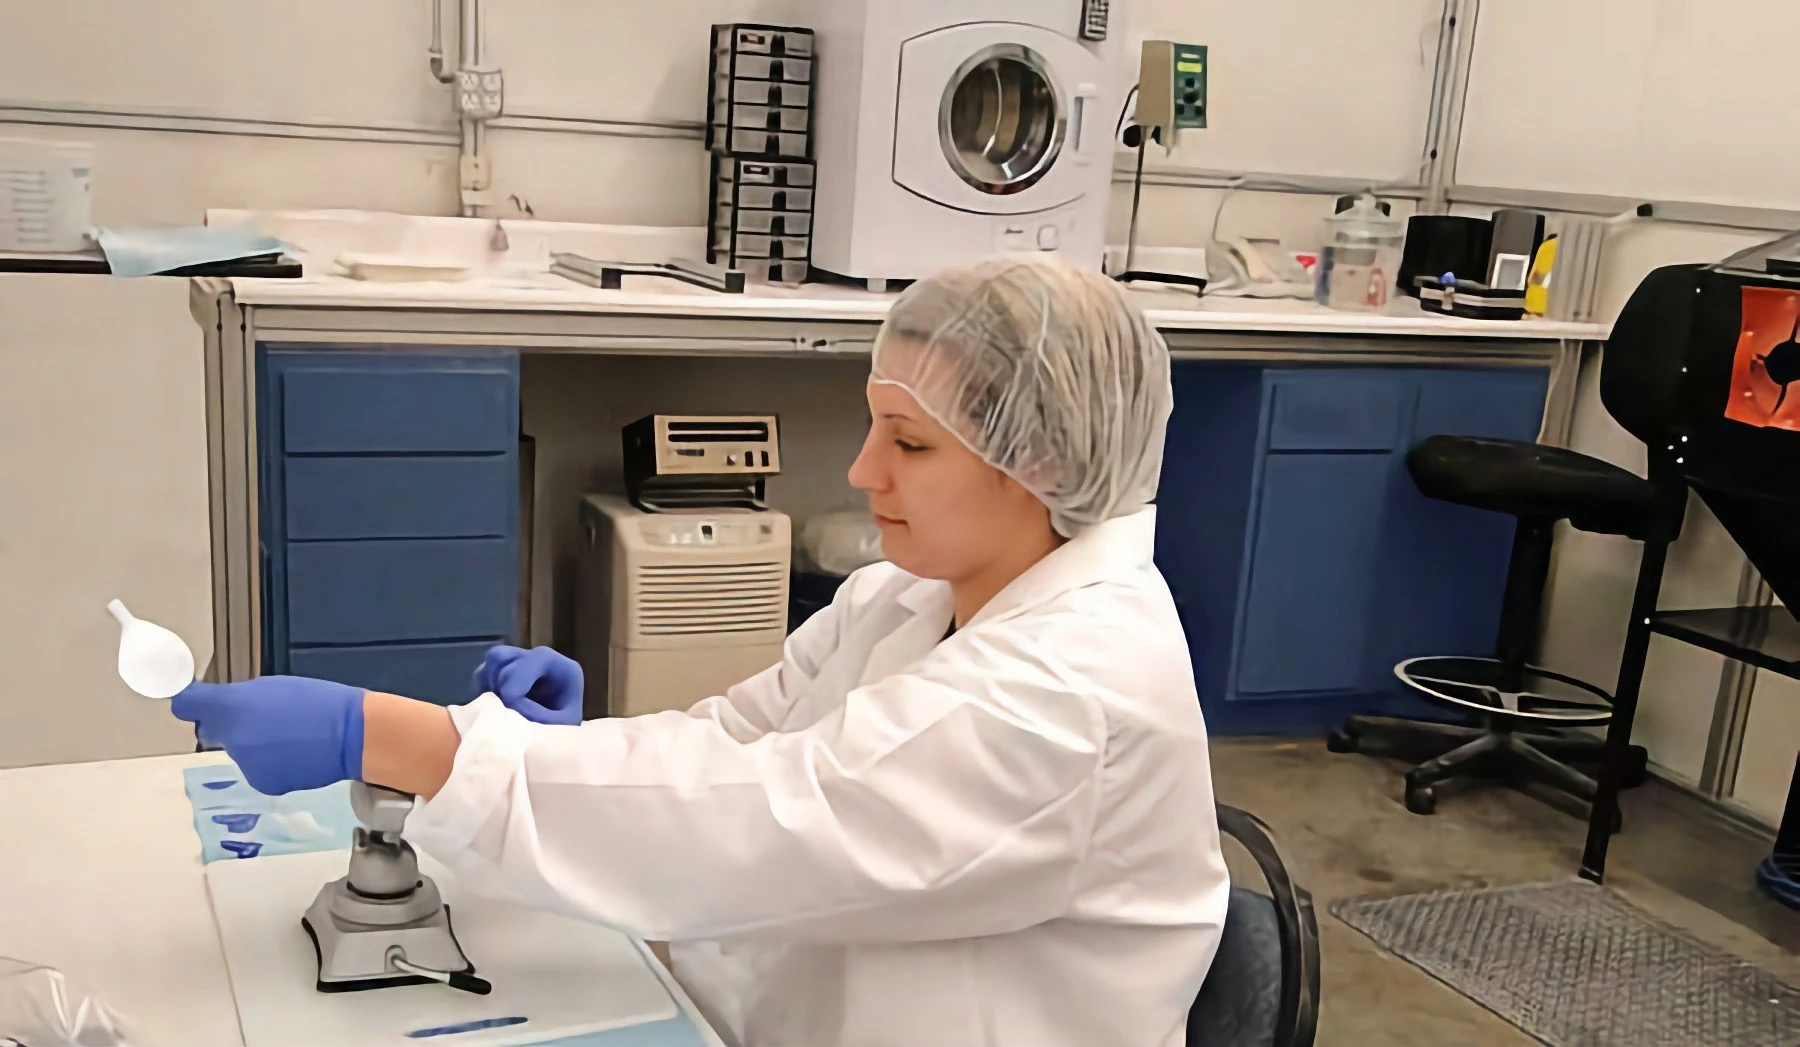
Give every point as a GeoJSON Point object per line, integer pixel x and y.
{"type": "Point", "coordinates": [654, 296]}
{"type": "Point", "coordinates": [101, 877]}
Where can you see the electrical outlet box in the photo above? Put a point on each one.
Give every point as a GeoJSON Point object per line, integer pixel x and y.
{"type": "Point", "coordinates": [1171, 87]}
{"type": "Point", "coordinates": [480, 93]}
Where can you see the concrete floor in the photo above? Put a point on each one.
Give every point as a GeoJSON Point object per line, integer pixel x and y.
{"type": "Point", "coordinates": [1344, 833]}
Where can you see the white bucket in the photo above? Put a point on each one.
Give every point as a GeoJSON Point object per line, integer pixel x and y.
{"type": "Point", "coordinates": [46, 195]}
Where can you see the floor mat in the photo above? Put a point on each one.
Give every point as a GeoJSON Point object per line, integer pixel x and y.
{"type": "Point", "coordinates": [1576, 965]}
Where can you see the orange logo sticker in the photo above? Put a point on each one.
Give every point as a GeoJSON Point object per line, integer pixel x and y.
{"type": "Point", "coordinates": [1768, 361]}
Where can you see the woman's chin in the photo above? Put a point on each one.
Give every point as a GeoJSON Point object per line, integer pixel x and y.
{"type": "Point", "coordinates": [897, 551]}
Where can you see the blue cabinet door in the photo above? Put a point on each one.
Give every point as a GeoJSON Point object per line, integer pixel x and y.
{"type": "Point", "coordinates": [1303, 560]}
{"type": "Point", "coordinates": [1307, 604]}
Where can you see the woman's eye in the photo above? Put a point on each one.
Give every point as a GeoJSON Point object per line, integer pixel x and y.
{"type": "Point", "coordinates": [908, 448]}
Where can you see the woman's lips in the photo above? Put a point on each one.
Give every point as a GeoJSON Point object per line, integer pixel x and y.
{"type": "Point", "coordinates": [888, 521]}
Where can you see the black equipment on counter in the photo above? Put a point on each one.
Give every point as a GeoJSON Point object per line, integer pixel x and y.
{"type": "Point", "coordinates": [674, 462]}
{"type": "Point", "coordinates": [1444, 243]}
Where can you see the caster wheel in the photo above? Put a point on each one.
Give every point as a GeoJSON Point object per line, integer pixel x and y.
{"type": "Point", "coordinates": [1341, 742]}
{"type": "Point", "coordinates": [1637, 768]}
{"type": "Point", "coordinates": [1421, 799]}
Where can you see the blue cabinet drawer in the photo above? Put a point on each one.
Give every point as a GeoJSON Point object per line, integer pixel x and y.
{"type": "Point", "coordinates": [400, 497]}
{"type": "Point", "coordinates": [346, 409]}
{"type": "Point", "coordinates": [383, 591]}
{"type": "Point", "coordinates": [1337, 410]}
{"type": "Point", "coordinates": [439, 672]}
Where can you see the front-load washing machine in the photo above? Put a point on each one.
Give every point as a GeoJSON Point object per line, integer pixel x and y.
{"type": "Point", "coordinates": [951, 130]}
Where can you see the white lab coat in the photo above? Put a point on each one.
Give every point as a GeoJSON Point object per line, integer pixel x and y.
{"type": "Point", "coordinates": [1004, 838]}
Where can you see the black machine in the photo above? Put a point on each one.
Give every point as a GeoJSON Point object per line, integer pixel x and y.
{"type": "Point", "coordinates": [700, 462]}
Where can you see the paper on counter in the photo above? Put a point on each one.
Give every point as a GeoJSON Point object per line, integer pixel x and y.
{"type": "Point", "coordinates": [146, 252]}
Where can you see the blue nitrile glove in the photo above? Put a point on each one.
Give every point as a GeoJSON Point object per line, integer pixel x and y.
{"type": "Point", "coordinates": [540, 684]}
{"type": "Point", "coordinates": [285, 732]}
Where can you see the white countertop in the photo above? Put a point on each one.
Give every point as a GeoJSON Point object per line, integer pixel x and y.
{"type": "Point", "coordinates": [650, 296]}
{"type": "Point", "coordinates": [517, 280]}
{"type": "Point", "coordinates": [101, 877]}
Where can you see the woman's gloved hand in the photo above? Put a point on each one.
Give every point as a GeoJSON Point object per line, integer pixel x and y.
{"type": "Point", "coordinates": [285, 733]}
{"type": "Point", "coordinates": [540, 684]}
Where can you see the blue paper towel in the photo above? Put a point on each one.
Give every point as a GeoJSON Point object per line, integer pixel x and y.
{"type": "Point", "coordinates": [233, 820]}
{"type": "Point", "coordinates": [146, 252]}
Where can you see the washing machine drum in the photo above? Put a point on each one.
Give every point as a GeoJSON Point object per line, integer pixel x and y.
{"type": "Point", "coordinates": [998, 118]}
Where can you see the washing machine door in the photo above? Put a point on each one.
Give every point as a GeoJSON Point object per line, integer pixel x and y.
{"type": "Point", "coordinates": [999, 118]}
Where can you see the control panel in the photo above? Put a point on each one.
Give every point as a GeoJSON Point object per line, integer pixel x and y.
{"type": "Point", "coordinates": [1094, 18]}
{"type": "Point", "coordinates": [1171, 88]}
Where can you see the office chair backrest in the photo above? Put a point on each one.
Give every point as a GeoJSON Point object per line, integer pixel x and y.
{"type": "Point", "coordinates": [1263, 987]}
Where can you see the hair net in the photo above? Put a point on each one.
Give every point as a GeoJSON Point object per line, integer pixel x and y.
{"type": "Point", "coordinates": [1046, 372]}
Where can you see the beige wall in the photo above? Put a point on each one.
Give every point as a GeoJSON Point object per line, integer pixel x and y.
{"type": "Point", "coordinates": [102, 495]}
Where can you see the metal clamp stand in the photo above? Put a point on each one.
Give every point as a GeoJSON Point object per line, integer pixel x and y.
{"type": "Point", "coordinates": [384, 924]}
{"type": "Point", "coordinates": [1132, 272]}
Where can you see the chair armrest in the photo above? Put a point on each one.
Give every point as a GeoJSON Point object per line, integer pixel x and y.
{"type": "Point", "coordinates": [1298, 926]}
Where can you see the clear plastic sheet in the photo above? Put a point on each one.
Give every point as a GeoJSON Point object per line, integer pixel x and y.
{"type": "Point", "coordinates": [42, 1007]}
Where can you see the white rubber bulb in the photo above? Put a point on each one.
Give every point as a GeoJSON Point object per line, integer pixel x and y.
{"type": "Point", "coordinates": [153, 661]}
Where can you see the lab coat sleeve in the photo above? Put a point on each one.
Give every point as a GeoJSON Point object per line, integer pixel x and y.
{"type": "Point", "coordinates": [954, 801]}
{"type": "Point", "coordinates": [758, 705]}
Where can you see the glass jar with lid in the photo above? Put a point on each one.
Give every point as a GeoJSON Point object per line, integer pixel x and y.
{"type": "Point", "coordinates": [1360, 258]}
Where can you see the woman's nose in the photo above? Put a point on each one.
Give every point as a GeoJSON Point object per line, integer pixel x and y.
{"type": "Point", "coordinates": [866, 473]}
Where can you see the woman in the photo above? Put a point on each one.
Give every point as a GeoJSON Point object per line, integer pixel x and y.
{"type": "Point", "coordinates": [972, 804]}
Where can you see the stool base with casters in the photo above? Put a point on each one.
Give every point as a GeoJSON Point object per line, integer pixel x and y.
{"type": "Point", "coordinates": [1521, 717]}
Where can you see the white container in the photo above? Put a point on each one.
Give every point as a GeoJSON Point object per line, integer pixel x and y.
{"type": "Point", "coordinates": [46, 195]}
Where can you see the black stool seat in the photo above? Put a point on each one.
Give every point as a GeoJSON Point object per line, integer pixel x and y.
{"type": "Point", "coordinates": [1533, 482]}
{"type": "Point", "coordinates": [1522, 713]}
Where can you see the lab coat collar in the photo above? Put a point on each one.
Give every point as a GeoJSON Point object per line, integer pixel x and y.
{"type": "Point", "coordinates": [1106, 550]}
{"type": "Point", "coordinates": [1103, 551]}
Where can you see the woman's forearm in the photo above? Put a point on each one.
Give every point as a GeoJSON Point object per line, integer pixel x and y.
{"type": "Point", "coordinates": [407, 745]}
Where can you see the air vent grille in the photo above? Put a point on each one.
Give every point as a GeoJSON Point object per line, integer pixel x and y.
{"type": "Point", "coordinates": [709, 599]}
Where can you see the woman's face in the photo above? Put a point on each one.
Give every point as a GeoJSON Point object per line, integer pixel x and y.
{"type": "Point", "coordinates": [943, 512]}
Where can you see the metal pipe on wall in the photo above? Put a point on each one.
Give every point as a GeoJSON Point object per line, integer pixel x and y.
{"type": "Point", "coordinates": [474, 132]}
{"type": "Point", "coordinates": [439, 69]}
{"type": "Point", "coordinates": [471, 132]}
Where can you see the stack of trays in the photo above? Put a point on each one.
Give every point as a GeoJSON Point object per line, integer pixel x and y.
{"type": "Point", "coordinates": [760, 139]}
{"type": "Point", "coordinates": [762, 82]}
{"type": "Point", "coordinates": [762, 218]}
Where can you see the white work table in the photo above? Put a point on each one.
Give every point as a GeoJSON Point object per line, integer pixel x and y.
{"type": "Point", "coordinates": [515, 280]}
{"type": "Point", "coordinates": [102, 878]}
{"type": "Point", "coordinates": [1170, 311]}
{"type": "Point", "coordinates": [510, 302]}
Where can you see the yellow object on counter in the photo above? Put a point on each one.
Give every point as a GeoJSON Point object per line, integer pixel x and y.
{"type": "Point", "coordinates": [1537, 282]}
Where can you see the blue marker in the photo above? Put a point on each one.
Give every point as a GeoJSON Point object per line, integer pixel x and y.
{"type": "Point", "coordinates": [462, 1027]}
